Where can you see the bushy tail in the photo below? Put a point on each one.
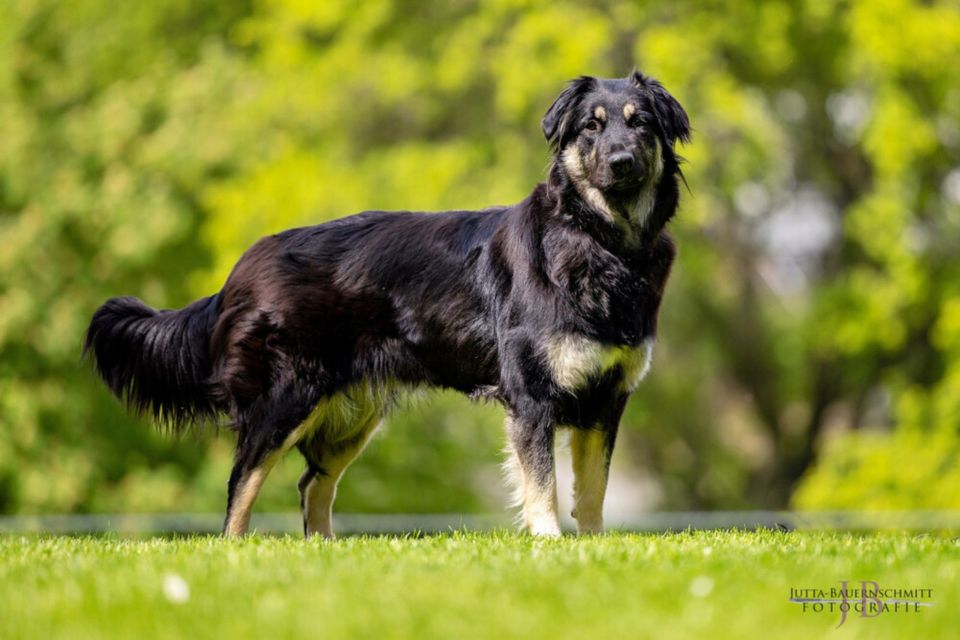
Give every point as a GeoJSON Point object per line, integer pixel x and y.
{"type": "Point", "coordinates": [158, 362]}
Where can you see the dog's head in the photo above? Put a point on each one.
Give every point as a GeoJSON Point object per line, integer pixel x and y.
{"type": "Point", "coordinates": [614, 139]}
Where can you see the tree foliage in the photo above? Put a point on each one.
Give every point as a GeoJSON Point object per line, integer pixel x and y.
{"type": "Point", "coordinates": [144, 146]}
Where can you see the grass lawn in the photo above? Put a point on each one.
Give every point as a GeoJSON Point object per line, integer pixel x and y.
{"type": "Point", "coordinates": [502, 585]}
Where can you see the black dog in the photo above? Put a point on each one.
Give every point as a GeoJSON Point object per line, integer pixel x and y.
{"type": "Point", "coordinates": [549, 306]}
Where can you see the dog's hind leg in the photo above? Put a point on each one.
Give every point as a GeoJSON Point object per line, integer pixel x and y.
{"type": "Point", "coordinates": [245, 482]}
{"type": "Point", "coordinates": [532, 456]}
{"type": "Point", "coordinates": [258, 449]}
{"type": "Point", "coordinates": [326, 464]}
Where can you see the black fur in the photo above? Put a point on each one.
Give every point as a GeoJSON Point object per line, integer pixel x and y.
{"type": "Point", "coordinates": [466, 300]}
{"type": "Point", "coordinates": [158, 361]}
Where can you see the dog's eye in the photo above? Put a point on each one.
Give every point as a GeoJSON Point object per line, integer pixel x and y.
{"type": "Point", "coordinates": [635, 122]}
{"type": "Point", "coordinates": [592, 125]}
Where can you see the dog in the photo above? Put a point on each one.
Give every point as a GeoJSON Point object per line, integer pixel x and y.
{"type": "Point", "coordinates": [548, 306]}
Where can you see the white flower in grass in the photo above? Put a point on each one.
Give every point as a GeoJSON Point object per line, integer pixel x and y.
{"type": "Point", "coordinates": [701, 586]}
{"type": "Point", "coordinates": [175, 588]}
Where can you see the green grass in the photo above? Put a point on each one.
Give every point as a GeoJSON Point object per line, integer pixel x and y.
{"type": "Point", "coordinates": [701, 584]}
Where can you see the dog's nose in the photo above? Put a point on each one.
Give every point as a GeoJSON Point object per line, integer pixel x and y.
{"type": "Point", "coordinates": [621, 163]}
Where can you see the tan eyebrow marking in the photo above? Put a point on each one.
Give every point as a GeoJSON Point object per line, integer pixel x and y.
{"type": "Point", "coordinates": [600, 113]}
{"type": "Point", "coordinates": [628, 110]}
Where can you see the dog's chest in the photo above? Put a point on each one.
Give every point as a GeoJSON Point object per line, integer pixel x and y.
{"type": "Point", "coordinates": [574, 360]}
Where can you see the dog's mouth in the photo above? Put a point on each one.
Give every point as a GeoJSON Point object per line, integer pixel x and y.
{"type": "Point", "coordinates": [624, 183]}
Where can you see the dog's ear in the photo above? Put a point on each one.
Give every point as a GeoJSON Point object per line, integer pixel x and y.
{"type": "Point", "coordinates": [558, 121]}
{"type": "Point", "coordinates": [673, 119]}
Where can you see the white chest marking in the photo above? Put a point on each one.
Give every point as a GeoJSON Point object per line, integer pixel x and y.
{"type": "Point", "coordinates": [573, 360]}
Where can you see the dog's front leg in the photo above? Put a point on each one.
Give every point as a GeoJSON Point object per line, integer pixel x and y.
{"type": "Point", "coordinates": [531, 456]}
{"type": "Point", "coordinates": [590, 450]}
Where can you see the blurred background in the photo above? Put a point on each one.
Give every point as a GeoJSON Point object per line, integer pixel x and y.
{"type": "Point", "coordinates": [809, 352]}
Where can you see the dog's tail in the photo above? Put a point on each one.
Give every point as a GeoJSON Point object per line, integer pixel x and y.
{"type": "Point", "coordinates": [157, 362]}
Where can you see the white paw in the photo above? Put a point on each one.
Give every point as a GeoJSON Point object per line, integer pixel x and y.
{"type": "Point", "coordinates": [544, 529]}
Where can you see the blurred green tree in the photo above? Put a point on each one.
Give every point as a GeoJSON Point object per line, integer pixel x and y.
{"type": "Point", "coordinates": [108, 132]}
{"type": "Point", "coordinates": [143, 149]}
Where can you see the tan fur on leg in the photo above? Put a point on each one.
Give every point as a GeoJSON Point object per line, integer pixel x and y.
{"type": "Point", "coordinates": [242, 505]}
{"type": "Point", "coordinates": [539, 501]}
{"type": "Point", "coordinates": [590, 469]}
{"type": "Point", "coordinates": [320, 493]}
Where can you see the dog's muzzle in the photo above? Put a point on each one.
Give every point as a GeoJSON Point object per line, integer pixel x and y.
{"type": "Point", "coordinates": [622, 164]}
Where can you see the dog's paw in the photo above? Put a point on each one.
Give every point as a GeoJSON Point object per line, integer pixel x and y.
{"type": "Point", "coordinates": [544, 529]}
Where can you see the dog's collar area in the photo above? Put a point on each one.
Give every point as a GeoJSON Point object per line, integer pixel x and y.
{"type": "Point", "coordinates": [621, 219]}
